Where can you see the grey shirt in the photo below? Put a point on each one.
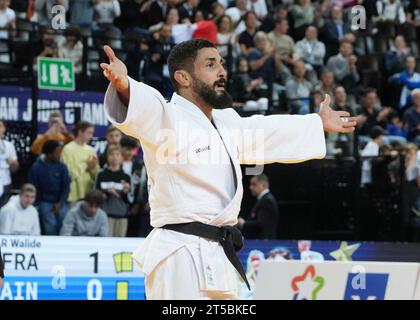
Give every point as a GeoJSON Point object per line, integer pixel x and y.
{"type": "Point", "coordinates": [77, 223]}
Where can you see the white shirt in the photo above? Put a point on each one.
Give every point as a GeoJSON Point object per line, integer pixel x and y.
{"type": "Point", "coordinates": [190, 177]}
{"type": "Point", "coordinates": [16, 220]}
{"type": "Point", "coordinates": [259, 7]}
{"type": "Point", "coordinates": [7, 150]}
{"type": "Point", "coordinates": [6, 16]}
{"type": "Point", "coordinates": [370, 150]}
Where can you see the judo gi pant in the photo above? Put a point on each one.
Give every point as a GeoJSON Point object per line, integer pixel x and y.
{"type": "Point", "coordinates": [176, 278]}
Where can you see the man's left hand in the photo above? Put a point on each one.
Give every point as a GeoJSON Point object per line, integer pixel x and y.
{"type": "Point", "coordinates": [335, 121]}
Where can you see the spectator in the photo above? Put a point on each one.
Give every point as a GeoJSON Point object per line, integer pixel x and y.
{"type": "Point", "coordinates": [343, 66]}
{"type": "Point", "coordinates": [81, 13]}
{"type": "Point", "coordinates": [187, 10]}
{"type": "Point", "coordinates": [368, 113]}
{"type": "Point", "coordinates": [310, 49]}
{"type": "Point", "coordinates": [334, 30]}
{"type": "Point", "coordinates": [409, 78]}
{"type": "Point", "coordinates": [113, 138]}
{"type": "Point", "coordinates": [390, 11]}
{"type": "Point", "coordinates": [395, 128]}
{"type": "Point", "coordinates": [261, 59]}
{"type": "Point", "coordinates": [262, 222]}
{"type": "Point", "coordinates": [105, 11]}
{"type": "Point", "coordinates": [44, 10]}
{"type": "Point", "coordinates": [298, 89]}
{"type": "Point", "coordinates": [303, 13]}
{"type": "Point", "coordinates": [327, 83]}
{"type": "Point", "coordinates": [218, 10]}
{"type": "Point", "coordinates": [157, 73]}
{"type": "Point", "coordinates": [71, 48]}
{"type": "Point", "coordinates": [81, 161]}
{"type": "Point", "coordinates": [394, 58]}
{"type": "Point", "coordinates": [236, 13]}
{"type": "Point", "coordinates": [136, 59]}
{"type": "Point", "coordinates": [340, 100]}
{"type": "Point", "coordinates": [269, 23]}
{"type": "Point", "coordinates": [371, 150]}
{"type": "Point", "coordinates": [413, 16]}
{"type": "Point", "coordinates": [115, 184]}
{"type": "Point", "coordinates": [259, 7]}
{"type": "Point", "coordinates": [246, 38]}
{"type": "Point", "coordinates": [7, 20]}
{"type": "Point", "coordinates": [411, 119]}
{"type": "Point", "coordinates": [19, 216]}
{"type": "Point", "coordinates": [56, 131]}
{"type": "Point", "coordinates": [46, 47]}
{"type": "Point", "coordinates": [225, 36]}
{"type": "Point", "coordinates": [157, 11]}
{"type": "Point", "coordinates": [8, 163]}
{"type": "Point", "coordinates": [282, 42]}
{"type": "Point", "coordinates": [52, 181]}
{"type": "Point", "coordinates": [86, 218]}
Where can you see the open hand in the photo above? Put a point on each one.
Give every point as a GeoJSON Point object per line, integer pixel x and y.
{"type": "Point", "coordinates": [333, 121]}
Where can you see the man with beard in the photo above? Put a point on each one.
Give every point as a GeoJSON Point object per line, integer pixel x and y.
{"type": "Point", "coordinates": [193, 147]}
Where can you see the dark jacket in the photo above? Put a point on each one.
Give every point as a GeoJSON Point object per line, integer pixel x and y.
{"type": "Point", "coordinates": [263, 220]}
{"type": "Point", "coordinates": [330, 37]}
{"type": "Point", "coordinates": [52, 181]}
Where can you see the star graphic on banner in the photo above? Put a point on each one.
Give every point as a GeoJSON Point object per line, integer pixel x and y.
{"type": "Point", "coordinates": [308, 285]}
{"type": "Point", "coordinates": [345, 251]}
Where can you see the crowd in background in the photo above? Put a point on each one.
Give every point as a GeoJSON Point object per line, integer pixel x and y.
{"type": "Point", "coordinates": [283, 56]}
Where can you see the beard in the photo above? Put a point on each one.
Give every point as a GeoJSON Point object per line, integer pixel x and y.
{"type": "Point", "coordinates": [218, 100]}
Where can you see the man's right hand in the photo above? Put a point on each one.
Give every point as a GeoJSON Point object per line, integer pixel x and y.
{"type": "Point", "coordinates": [116, 73]}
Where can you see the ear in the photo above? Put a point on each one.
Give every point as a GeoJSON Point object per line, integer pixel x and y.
{"type": "Point", "coordinates": [183, 78]}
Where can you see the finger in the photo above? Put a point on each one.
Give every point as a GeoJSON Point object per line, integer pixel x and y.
{"type": "Point", "coordinates": [105, 66]}
{"type": "Point", "coordinates": [343, 114]}
{"type": "Point", "coordinates": [347, 130]}
{"type": "Point", "coordinates": [349, 124]}
{"type": "Point", "coordinates": [326, 101]}
{"type": "Point", "coordinates": [110, 53]}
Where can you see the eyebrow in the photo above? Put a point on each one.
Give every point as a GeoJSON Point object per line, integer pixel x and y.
{"type": "Point", "coordinates": [222, 61]}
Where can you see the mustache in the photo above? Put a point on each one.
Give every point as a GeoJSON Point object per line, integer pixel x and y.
{"type": "Point", "coordinates": [220, 81]}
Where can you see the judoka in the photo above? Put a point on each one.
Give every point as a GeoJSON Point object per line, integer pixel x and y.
{"type": "Point", "coordinates": [193, 147]}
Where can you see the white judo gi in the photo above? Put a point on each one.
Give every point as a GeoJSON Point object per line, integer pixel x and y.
{"type": "Point", "coordinates": [190, 178]}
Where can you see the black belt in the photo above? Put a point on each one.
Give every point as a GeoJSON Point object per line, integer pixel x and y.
{"type": "Point", "coordinates": [229, 237]}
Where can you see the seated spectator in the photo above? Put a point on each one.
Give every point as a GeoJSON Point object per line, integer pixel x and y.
{"type": "Point", "coordinates": [115, 185]}
{"type": "Point", "coordinates": [368, 112]}
{"type": "Point", "coordinates": [236, 13]}
{"type": "Point", "coordinates": [371, 150]}
{"type": "Point", "coordinates": [113, 138]}
{"type": "Point", "coordinates": [155, 11]}
{"type": "Point", "coordinates": [411, 119]}
{"type": "Point", "coordinates": [268, 24]}
{"type": "Point", "coordinates": [86, 218]}
{"type": "Point", "coordinates": [71, 48]}
{"type": "Point", "coordinates": [217, 11]}
{"type": "Point", "coordinates": [81, 13]}
{"type": "Point", "coordinates": [343, 66]}
{"type": "Point", "coordinates": [259, 7]}
{"type": "Point", "coordinates": [44, 10]}
{"type": "Point", "coordinates": [298, 89]}
{"type": "Point", "coordinates": [282, 42]}
{"type": "Point", "coordinates": [262, 222]}
{"type": "Point", "coordinates": [310, 49]}
{"type": "Point", "coordinates": [52, 182]}
{"type": "Point", "coordinates": [246, 92]}
{"type": "Point", "coordinates": [246, 38]}
{"type": "Point", "coordinates": [334, 30]}
{"type": "Point", "coordinates": [303, 13]}
{"type": "Point", "coordinates": [81, 161]}
{"type": "Point", "coordinates": [327, 84]}
{"type": "Point", "coordinates": [390, 12]}
{"type": "Point", "coordinates": [105, 11]}
{"type": "Point", "coordinates": [395, 129]}
{"type": "Point", "coordinates": [56, 131]}
{"type": "Point", "coordinates": [225, 36]}
{"type": "Point", "coordinates": [261, 58]}
{"type": "Point", "coordinates": [187, 10]}
{"type": "Point", "coordinates": [394, 58]}
{"type": "Point", "coordinates": [19, 216]}
{"type": "Point", "coordinates": [413, 16]}
{"type": "Point", "coordinates": [409, 79]}
{"type": "Point", "coordinates": [46, 47]}
{"type": "Point", "coordinates": [8, 163]}
{"type": "Point", "coordinates": [136, 58]}
{"type": "Point", "coordinates": [7, 20]}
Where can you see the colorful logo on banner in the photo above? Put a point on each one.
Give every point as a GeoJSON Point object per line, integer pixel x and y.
{"type": "Point", "coordinates": [366, 286]}
{"type": "Point", "coordinates": [308, 285]}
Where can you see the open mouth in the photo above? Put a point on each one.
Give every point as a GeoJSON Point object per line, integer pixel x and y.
{"type": "Point", "coordinates": [220, 85]}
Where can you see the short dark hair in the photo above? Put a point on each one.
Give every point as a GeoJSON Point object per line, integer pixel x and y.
{"type": "Point", "coordinates": [247, 14]}
{"type": "Point", "coordinates": [366, 91]}
{"type": "Point", "coordinates": [81, 125]}
{"type": "Point", "coordinates": [183, 55]}
{"type": "Point", "coordinates": [95, 197]}
{"type": "Point", "coordinates": [50, 146]}
{"type": "Point", "coordinates": [128, 142]}
{"type": "Point", "coordinates": [262, 178]}
{"type": "Point", "coordinates": [111, 129]}
{"type": "Point", "coordinates": [280, 20]}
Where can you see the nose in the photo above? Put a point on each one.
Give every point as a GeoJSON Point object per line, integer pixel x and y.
{"type": "Point", "coordinates": [222, 72]}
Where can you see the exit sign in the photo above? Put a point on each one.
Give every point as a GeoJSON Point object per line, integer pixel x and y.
{"type": "Point", "coordinates": [55, 74]}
